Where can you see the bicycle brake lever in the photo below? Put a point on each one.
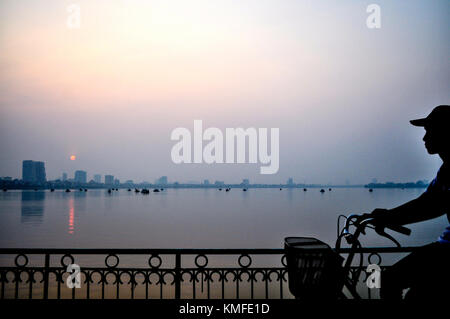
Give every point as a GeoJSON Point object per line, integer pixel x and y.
{"type": "Point", "coordinates": [349, 238]}
{"type": "Point", "coordinates": [358, 224]}
{"type": "Point", "coordinates": [363, 231]}
{"type": "Point", "coordinates": [380, 231]}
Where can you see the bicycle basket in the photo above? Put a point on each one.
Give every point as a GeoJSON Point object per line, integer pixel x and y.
{"type": "Point", "coordinates": [314, 269]}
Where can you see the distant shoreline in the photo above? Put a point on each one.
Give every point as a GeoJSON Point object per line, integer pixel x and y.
{"type": "Point", "coordinates": [20, 185]}
{"type": "Point", "coordinates": [171, 186]}
{"type": "Point", "coordinates": [418, 184]}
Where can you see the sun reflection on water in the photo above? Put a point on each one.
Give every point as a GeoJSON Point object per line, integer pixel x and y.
{"type": "Point", "coordinates": [71, 216]}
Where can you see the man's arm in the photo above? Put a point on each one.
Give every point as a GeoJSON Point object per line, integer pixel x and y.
{"type": "Point", "coordinates": [426, 206]}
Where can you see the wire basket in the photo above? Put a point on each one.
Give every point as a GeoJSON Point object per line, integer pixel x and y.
{"type": "Point", "coordinates": [314, 269]}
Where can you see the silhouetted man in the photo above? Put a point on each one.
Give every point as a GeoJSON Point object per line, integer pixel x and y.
{"type": "Point", "coordinates": [427, 270]}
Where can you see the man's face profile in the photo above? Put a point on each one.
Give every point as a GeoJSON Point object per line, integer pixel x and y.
{"type": "Point", "coordinates": [435, 140]}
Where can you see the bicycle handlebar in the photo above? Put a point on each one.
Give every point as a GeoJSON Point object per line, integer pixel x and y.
{"type": "Point", "coordinates": [361, 221]}
{"type": "Point", "coordinates": [399, 229]}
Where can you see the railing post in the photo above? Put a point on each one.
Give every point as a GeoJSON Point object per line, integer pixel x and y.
{"type": "Point", "coordinates": [177, 276]}
{"type": "Point", "coordinates": [46, 275]}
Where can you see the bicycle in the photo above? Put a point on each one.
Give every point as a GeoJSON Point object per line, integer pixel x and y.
{"type": "Point", "coordinates": [315, 270]}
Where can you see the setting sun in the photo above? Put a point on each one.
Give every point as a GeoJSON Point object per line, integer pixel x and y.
{"type": "Point", "coordinates": [73, 157]}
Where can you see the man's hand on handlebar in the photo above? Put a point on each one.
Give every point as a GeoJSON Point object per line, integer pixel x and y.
{"type": "Point", "coordinates": [379, 213]}
{"type": "Point", "coordinates": [381, 220]}
{"type": "Point", "coordinates": [378, 217]}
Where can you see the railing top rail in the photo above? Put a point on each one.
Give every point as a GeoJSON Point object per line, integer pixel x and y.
{"type": "Point", "coordinates": [186, 251]}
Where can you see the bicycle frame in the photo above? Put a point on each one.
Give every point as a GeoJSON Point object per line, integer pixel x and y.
{"type": "Point", "coordinates": [360, 222]}
{"type": "Point", "coordinates": [351, 286]}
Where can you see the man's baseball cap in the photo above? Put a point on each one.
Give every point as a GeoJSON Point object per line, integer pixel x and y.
{"type": "Point", "coordinates": [439, 117]}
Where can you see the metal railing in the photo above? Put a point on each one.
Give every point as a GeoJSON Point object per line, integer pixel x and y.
{"type": "Point", "coordinates": [33, 273]}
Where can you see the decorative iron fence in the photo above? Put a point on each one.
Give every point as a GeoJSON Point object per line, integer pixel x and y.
{"type": "Point", "coordinates": [160, 273]}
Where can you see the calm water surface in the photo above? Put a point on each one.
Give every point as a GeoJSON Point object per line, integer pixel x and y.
{"type": "Point", "coordinates": [192, 218]}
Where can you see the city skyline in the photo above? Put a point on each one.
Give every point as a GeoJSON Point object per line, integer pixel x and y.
{"type": "Point", "coordinates": [31, 169]}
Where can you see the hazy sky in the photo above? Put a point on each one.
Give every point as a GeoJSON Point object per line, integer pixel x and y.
{"type": "Point", "coordinates": [112, 91]}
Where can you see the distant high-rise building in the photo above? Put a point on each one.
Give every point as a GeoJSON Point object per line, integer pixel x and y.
{"type": "Point", "coordinates": [161, 181]}
{"type": "Point", "coordinates": [80, 177]}
{"type": "Point", "coordinates": [97, 178]}
{"type": "Point", "coordinates": [33, 172]}
{"type": "Point", "coordinates": [219, 183]}
{"type": "Point", "coordinates": [245, 181]}
{"type": "Point", "coordinates": [109, 179]}
{"type": "Point", "coordinates": [116, 182]}
{"type": "Point", "coordinates": [64, 177]}
{"type": "Point", "coordinates": [290, 181]}
{"type": "Point", "coordinates": [206, 182]}
{"type": "Point", "coordinates": [40, 172]}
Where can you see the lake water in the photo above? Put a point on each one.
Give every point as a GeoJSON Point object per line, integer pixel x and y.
{"type": "Point", "coordinates": [192, 218]}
